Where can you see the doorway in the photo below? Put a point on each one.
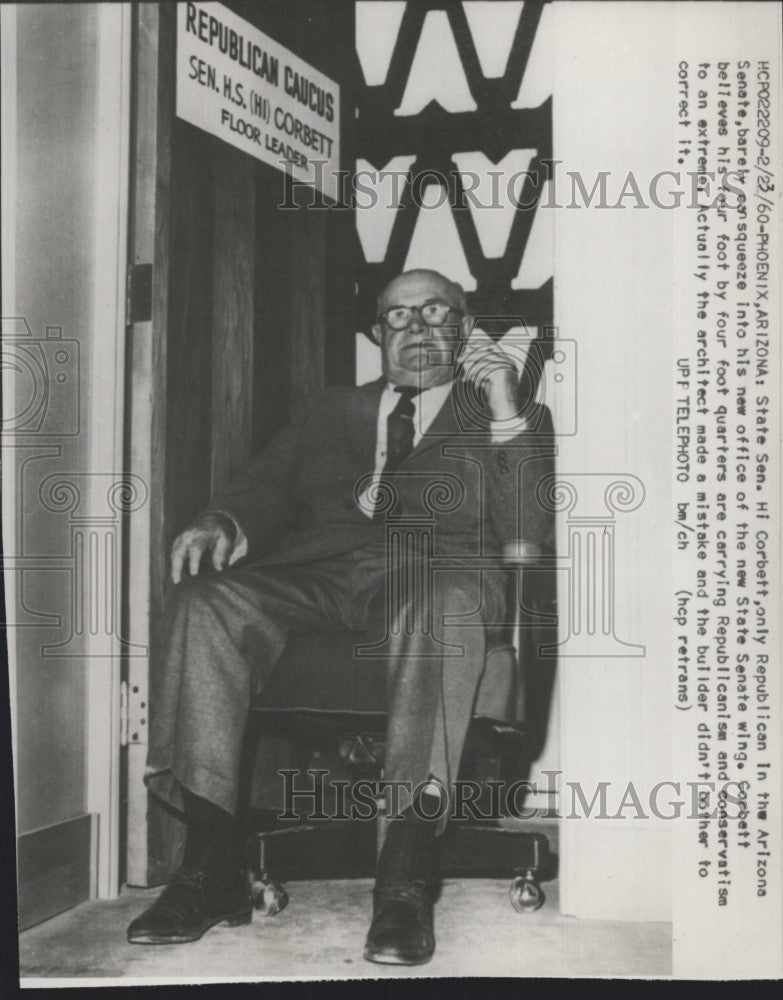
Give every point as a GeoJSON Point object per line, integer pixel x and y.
{"type": "Point", "coordinates": [238, 310]}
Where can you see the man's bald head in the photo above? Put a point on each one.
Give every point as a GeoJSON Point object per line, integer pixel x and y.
{"type": "Point", "coordinates": [421, 315]}
{"type": "Point", "coordinates": [452, 292]}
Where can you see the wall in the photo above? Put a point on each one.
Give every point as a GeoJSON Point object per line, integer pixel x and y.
{"type": "Point", "coordinates": [57, 76]}
{"type": "Point", "coordinates": [62, 227]}
{"type": "Point", "coordinates": [615, 699]}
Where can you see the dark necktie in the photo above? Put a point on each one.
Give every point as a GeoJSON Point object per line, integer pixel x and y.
{"type": "Point", "coordinates": [399, 431]}
{"type": "Point", "coordinates": [399, 428]}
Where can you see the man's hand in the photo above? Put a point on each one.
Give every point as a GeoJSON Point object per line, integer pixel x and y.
{"type": "Point", "coordinates": [213, 533]}
{"type": "Point", "coordinates": [495, 368]}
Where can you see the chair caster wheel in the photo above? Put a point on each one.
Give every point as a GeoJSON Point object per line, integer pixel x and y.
{"type": "Point", "coordinates": [269, 897]}
{"type": "Point", "coordinates": [525, 893]}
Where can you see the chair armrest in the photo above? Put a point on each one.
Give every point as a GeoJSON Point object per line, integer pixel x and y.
{"type": "Point", "coordinates": [520, 553]}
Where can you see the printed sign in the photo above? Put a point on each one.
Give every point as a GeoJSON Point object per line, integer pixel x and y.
{"type": "Point", "coordinates": [240, 85]}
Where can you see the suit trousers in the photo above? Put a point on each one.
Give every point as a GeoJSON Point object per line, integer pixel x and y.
{"type": "Point", "coordinates": [223, 633]}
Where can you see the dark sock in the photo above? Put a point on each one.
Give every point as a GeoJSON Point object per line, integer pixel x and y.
{"type": "Point", "coordinates": [212, 842]}
{"type": "Point", "coordinates": [409, 851]}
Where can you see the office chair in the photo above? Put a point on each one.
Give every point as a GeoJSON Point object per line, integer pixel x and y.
{"type": "Point", "coordinates": [325, 706]}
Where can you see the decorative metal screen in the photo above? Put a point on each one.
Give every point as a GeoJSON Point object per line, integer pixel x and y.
{"type": "Point", "coordinates": [434, 136]}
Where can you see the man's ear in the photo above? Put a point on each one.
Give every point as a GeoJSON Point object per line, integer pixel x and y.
{"type": "Point", "coordinates": [466, 326]}
{"type": "Point", "coordinates": [377, 333]}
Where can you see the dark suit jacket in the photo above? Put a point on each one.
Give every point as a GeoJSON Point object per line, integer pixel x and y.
{"type": "Point", "coordinates": [298, 501]}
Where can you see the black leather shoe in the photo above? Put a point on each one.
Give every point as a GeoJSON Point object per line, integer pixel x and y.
{"type": "Point", "coordinates": [191, 904]}
{"type": "Point", "coordinates": [401, 930]}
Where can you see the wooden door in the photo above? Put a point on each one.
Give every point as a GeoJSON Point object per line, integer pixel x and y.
{"type": "Point", "coordinates": [238, 310]}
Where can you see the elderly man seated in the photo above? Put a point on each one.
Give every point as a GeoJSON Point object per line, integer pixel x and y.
{"type": "Point", "coordinates": [299, 544]}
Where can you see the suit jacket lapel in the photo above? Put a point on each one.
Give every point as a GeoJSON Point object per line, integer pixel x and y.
{"type": "Point", "coordinates": [445, 425]}
{"type": "Point", "coordinates": [362, 420]}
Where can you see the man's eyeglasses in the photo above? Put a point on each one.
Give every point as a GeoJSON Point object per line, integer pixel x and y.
{"type": "Point", "coordinates": [433, 313]}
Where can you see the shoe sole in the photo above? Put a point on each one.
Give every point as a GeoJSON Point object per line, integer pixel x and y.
{"type": "Point", "coordinates": [238, 919]}
{"type": "Point", "coordinates": [394, 958]}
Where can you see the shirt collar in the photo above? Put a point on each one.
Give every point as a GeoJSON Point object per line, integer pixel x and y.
{"type": "Point", "coordinates": [434, 393]}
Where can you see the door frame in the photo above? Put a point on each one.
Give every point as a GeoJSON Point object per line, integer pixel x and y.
{"type": "Point", "coordinates": [106, 379]}
{"type": "Point", "coordinates": [147, 326]}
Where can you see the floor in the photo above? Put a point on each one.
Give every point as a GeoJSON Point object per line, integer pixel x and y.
{"type": "Point", "coordinates": [321, 932]}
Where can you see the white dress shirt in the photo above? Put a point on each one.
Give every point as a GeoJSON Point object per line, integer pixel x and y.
{"type": "Point", "coordinates": [426, 406]}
